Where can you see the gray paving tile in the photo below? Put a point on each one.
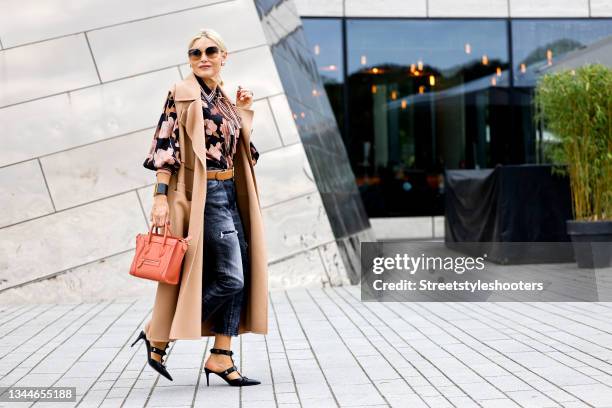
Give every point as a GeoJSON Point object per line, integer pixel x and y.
{"type": "Point", "coordinates": [326, 349]}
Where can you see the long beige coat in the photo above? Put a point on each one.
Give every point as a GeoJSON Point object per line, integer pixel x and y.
{"type": "Point", "coordinates": [177, 313]}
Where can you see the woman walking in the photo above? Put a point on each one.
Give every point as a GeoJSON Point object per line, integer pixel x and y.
{"type": "Point", "coordinates": [206, 188]}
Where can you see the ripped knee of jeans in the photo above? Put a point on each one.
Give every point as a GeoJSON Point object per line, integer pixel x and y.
{"type": "Point", "coordinates": [224, 233]}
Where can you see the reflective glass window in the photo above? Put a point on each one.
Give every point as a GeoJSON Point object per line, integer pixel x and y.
{"type": "Point", "coordinates": [424, 95]}
{"type": "Point", "coordinates": [540, 45]}
{"type": "Point", "coordinates": [324, 37]}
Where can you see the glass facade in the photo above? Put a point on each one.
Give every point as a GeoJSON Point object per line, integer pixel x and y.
{"type": "Point", "coordinates": [416, 96]}
{"type": "Point", "coordinates": [305, 83]}
{"type": "Point", "coordinates": [538, 44]}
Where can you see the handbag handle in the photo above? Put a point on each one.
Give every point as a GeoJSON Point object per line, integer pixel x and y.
{"type": "Point", "coordinates": [166, 228]}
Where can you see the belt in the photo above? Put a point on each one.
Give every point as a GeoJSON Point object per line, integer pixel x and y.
{"type": "Point", "coordinates": [220, 174]}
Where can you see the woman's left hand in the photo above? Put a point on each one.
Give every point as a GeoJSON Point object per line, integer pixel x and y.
{"type": "Point", "coordinates": [244, 98]}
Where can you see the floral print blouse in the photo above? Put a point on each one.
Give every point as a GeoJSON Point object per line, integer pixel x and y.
{"type": "Point", "coordinates": [220, 140]}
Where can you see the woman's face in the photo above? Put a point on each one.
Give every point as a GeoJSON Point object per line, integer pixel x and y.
{"type": "Point", "coordinates": [203, 65]}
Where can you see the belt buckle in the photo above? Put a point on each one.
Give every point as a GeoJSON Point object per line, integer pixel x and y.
{"type": "Point", "coordinates": [218, 172]}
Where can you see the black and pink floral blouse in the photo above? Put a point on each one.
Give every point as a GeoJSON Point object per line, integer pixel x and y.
{"type": "Point", "coordinates": [220, 139]}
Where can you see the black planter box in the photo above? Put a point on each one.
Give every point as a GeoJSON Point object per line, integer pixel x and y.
{"type": "Point", "coordinates": [592, 241]}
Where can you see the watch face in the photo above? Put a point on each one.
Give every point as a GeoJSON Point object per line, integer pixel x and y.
{"type": "Point", "coordinates": [160, 189]}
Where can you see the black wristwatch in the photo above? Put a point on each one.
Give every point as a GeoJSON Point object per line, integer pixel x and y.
{"type": "Point", "coordinates": [160, 188]}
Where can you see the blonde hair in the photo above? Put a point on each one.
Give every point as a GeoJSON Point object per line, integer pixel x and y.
{"type": "Point", "coordinates": [214, 36]}
{"type": "Point", "coordinates": [227, 108]}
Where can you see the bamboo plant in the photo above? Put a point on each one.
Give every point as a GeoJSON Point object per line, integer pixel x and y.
{"type": "Point", "coordinates": [576, 106]}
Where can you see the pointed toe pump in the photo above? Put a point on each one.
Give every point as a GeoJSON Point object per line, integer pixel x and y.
{"type": "Point", "coordinates": [234, 382]}
{"type": "Point", "coordinates": [157, 366]}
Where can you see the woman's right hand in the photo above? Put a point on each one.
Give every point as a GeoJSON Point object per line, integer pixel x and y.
{"type": "Point", "coordinates": [160, 213]}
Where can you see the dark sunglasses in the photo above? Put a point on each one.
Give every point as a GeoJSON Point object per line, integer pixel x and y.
{"type": "Point", "coordinates": [196, 53]}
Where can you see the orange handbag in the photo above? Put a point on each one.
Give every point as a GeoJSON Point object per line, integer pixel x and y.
{"type": "Point", "coordinates": [159, 257]}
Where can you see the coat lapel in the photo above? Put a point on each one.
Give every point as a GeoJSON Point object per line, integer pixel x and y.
{"type": "Point", "coordinates": [193, 120]}
{"type": "Point", "coordinates": [188, 89]}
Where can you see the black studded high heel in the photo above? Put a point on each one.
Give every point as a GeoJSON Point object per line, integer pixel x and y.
{"type": "Point", "coordinates": [234, 382]}
{"type": "Point", "coordinates": [157, 366]}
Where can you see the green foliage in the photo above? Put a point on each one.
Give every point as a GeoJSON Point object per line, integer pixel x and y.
{"type": "Point", "coordinates": [576, 106]}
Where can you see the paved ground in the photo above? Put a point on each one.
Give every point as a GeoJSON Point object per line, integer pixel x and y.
{"type": "Point", "coordinates": [325, 348]}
